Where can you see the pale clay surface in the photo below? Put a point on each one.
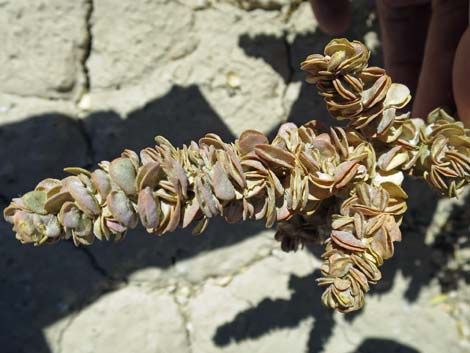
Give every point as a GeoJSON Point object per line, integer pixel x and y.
{"type": "Point", "coordinates": [80, 81]}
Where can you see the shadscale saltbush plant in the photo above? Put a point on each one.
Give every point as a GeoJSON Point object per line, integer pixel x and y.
{"type": "Point", "coordinates": [339, 186]}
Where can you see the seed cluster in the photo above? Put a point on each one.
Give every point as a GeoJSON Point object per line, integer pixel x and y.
{"type": "Point", "coordinates": [437, 150]}
{"type": "Point", "coordinates": [339, 186]}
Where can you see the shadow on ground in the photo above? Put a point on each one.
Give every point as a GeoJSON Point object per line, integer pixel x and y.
{"type": "Point", "coordinates": [272, 314]}
{"type": "Point", "coordinates": [38, 286]}
{"type": "Point", "coordinates": [373, 345]}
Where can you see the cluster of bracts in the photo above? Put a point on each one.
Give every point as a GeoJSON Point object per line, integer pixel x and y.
{"type": "Point", "coordinates": [339, 186]}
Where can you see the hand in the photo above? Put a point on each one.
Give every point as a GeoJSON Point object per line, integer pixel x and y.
{"type": "Point", "coordinates": [426, 45]}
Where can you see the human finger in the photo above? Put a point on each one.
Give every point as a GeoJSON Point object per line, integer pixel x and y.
{"type": "Point", "coordinates": [333, 16]}
{"type": "Point", "coordinates": [461, 78]}
{"type": "Point", "coordinates": [404, 25]}
{"type": "Point", "coordinates": [448, 22]}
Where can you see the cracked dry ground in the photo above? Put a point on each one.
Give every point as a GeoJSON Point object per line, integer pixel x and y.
{"type": "Point", "coordinates": [82, 80]}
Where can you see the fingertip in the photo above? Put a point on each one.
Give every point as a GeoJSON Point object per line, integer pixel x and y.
{"type": "Point", "coordinates": [435, 87]}
{"type": "Point", "coordinates": [333, 16]}
{"type": "Point", "coordinates": [404, 27]}
{"type": "Point", "coordinates": [460, 78]}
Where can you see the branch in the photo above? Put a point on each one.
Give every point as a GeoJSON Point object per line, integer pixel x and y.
{"type": "Point", "coordinates": [341, 186]}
